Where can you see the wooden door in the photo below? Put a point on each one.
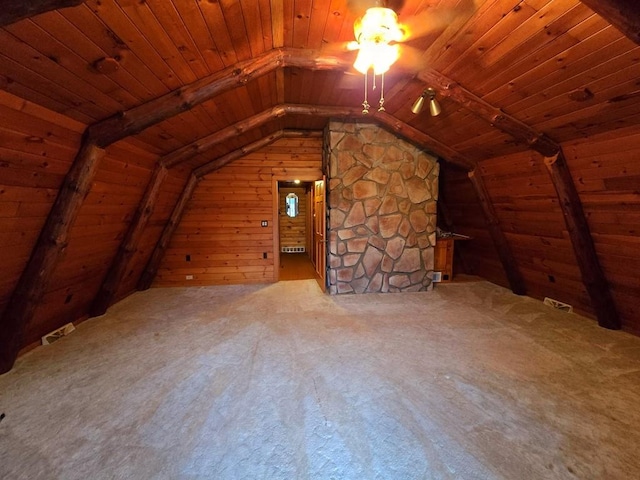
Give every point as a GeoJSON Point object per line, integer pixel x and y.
{"type": "Point", "coordinates": [319, 232]}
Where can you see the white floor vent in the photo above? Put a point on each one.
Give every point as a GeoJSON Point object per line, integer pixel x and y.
{"type": "Point", "coordinates": [293, 249]}
{"type": "Point", "coordinates": [565, 307]}
{"type": "Point", "coordinates": [51, 337]}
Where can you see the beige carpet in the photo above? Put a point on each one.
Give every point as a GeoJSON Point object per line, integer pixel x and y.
{"type": "Point", "coordinates": [281, 382]}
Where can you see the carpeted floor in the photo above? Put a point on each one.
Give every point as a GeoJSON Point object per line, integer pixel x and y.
{"type": "Point", "coordinates": [281, 382]}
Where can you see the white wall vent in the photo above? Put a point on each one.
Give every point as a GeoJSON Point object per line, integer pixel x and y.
{"type": "Point", "coordinates": [437, 277]}
{"type": "Point", "coordinates": [51, 337]}
{"type": "Point", "coordinates": [558, 305]}
{"type": "Point", "coordinates": [293, 249]}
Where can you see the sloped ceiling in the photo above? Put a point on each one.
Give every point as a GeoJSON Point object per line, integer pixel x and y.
{"type": "Point", "coordinates": [554, 65]}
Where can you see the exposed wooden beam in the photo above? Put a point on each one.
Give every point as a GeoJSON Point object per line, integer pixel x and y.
{"type": "Point", "coordinates": [582, 242]}
{"type": "Point", "coordinates": [47, 252]}
{"type": "Point", "coordinates": [520, 131]}
{"type": "Point", "coordinates": [220, 162]}
{"type": "Point", "coordinates": [149, 273]}
{"type": "Point", "coordinates": [416, 136]}
{"type": "Point", "coordinates": [239, 153]}
{"type": "Point", "coordinates": [155, 111]}
{"type": "Point", "coordinates": [129, 245]}
{"type": "Point", "coordinates": [13, 10]}
{"type": "Point", "coordinates": [203, 144]}
{"type": "Point", "coordinates": [138, 118]}
{"type": "Point", "coordinates": [516, 282]}
{"type": "Point", "coordinates": [622, 14]}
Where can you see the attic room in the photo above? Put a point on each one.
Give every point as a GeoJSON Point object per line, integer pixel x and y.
{"type": "Point", "coordinates": [450, 291]}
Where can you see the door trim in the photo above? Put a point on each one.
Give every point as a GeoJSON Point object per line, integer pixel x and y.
{"type": "Point", "coordinates": [302, 174]}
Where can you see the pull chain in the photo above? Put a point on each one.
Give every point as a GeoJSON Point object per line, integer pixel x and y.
{"type": "Point", "coordinates": [365, 104]}
{"type": "Point", "coordinates": [381, 105]}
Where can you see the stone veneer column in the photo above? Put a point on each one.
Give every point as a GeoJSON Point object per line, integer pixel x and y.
{"type": "Point", "coordinates": [382, 211]}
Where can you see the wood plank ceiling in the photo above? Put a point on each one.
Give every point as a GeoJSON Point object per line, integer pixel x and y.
{"type": "Point", "coordinates": [506, 52]}
{"type": "Point", "coordinates": [195, 81]}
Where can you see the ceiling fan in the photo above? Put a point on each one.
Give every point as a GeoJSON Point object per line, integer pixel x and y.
{"type": "Point", "coordinates": [379, 35]}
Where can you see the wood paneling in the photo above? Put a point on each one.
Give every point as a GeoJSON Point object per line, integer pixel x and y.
{"type": "Point", "coordinates": [293, 231]}
{"type": "Point", "coordinates": [606, 172]}
{"type": "Point", "coordinates": [93, 241]}
{"type": "Point", "coordinates": [221, 232]}
{"type": "Point", "coordinates": [607, 178]}
{"type": "Point", "coordinates": [37, 147]}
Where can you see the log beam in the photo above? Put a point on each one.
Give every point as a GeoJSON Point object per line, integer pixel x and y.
{"type": "Point", "coordinates": [149, 273]}
{"type": "Point", "coordinates": [218, 163]}
{"type": "Point", "coordinates": [520, 131]}
{"type": "Point", "coordinates": [47, 252]}
{"type": "Point", "coordinates": [516, 282]}
{"type": "Point", "coordinates": [155, 111]}
{"type": "Point", "coordinates": [129, 245]}
{"type": "Point", "coordinates": [13, 10]}
{"type": "Point", "coordinates": [592, 275]}
{"type": "Point", "coordinates": [404, 130]}
{"type": "Point", "coordinates": [205, 143]}
{"type": "Point", "coordinates": [622, 14]}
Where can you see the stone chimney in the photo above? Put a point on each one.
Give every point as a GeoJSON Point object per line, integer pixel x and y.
{"type": "Point", "coordinates": [382, 211]}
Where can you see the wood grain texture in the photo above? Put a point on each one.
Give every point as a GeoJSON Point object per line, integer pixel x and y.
{"type": "Point", "coordinates": [221, 229]}
{"type": "Point", "coordinates": [592, 275]}
{"type": "Point", "coordinates": [509, 263]}
{"type": "Point", "coordinates": [129, 244]}
{"type": "Point", "coordinates": [46, 253]}
{"type": "Point", "coordinates": [293, 231]}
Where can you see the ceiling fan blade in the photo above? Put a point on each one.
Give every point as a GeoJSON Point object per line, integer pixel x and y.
{"type": "Point", "coordinates": [411, 59]}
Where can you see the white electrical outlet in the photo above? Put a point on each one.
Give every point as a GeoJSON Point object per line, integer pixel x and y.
{"type": "Point", "coordinates": [189, 277]}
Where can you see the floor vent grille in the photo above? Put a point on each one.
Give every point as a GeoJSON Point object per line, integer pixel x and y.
{"type": "Point", "coordinates": [565, 307]}
{"type": "Point", "coordinates": [56, 335]}
{"type": "Point", "coordinates": [293, 249]}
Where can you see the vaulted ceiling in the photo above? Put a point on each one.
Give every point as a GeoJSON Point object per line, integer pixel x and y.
{"type": "Point", "coordinates": [550, 67]}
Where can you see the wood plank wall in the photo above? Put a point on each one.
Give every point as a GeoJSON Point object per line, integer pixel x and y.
{"type": "Point", "coordinates": [606, 172]}
{"type": "Point", "coordinates": [37, 147]}
{"type": "Point", "coordinates": [220, 229]}
{"type": "Point", "coordinates": [467, 218]}
{"type": "Point", "coordinates": [293, 231]}
{"type": "Point", "coordinates": [94, 239]}
{"type": "Point", "coordinates": [171, 189]}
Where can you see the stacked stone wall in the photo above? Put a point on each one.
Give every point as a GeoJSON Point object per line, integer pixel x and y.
{"type": "Point", "coordinates": [382, 211]}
